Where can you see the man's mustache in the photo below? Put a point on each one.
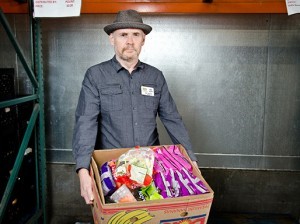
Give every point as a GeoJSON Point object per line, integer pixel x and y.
{"type": "Point", "coordinates": [129, 48]}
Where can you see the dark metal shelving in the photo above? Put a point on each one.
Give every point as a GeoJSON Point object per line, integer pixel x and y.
{"type": "Point", "coordinates": [36, 125]}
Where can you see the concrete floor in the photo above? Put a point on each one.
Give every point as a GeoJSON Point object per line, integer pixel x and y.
{"type": "Point", "coordinates": [231, 218]}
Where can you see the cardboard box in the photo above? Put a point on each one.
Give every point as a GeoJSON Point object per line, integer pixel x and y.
{"type": "Point", "coordinates": [189, 209]}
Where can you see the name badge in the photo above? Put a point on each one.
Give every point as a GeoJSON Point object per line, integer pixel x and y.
{"type": "Point", "coordinates": [147, 91]}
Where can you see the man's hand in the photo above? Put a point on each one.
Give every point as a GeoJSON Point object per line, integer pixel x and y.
{"type": "Point", "coordinates": [195, 163]}
{"type": "Point", "coordinates": [86, 186]}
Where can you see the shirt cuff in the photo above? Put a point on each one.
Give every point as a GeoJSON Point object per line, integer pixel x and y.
{"type": "Point", "coordinates": [83, 162]}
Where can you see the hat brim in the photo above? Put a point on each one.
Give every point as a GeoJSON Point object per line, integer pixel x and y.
{"type": "Point", "coordinates": [122, 25]}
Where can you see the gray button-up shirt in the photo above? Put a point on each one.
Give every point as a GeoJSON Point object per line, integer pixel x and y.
{"type": "Point", "coordinates": [113, 104]}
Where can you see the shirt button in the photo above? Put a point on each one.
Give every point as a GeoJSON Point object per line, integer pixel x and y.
{"type": "Point", "coordinates": [135, 123]}
{"type": "Point", "coordinates": [134, 108]}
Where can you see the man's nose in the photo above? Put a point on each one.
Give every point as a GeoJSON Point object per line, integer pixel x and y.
{"type": "Point", "coordinates": [129, 39]}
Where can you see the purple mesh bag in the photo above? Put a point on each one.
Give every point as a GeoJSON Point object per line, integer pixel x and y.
{"type": "Point", "coordinates": [107, 180]}
{"type": "Point", "coordinates": [194, 182]}
{"type": "Point", "coordinates": [162, 185]}
{"type": "Point", "coordinates": [185, 188]}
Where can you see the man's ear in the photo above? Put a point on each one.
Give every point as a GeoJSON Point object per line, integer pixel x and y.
{"type": "Point", "coordinates": [144, 39]}
{"type": "Point", "coordinates": [111, 39]}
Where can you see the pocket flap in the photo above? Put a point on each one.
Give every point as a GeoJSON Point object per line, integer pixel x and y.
{"type": "Point", "coordinates": [112, 90]}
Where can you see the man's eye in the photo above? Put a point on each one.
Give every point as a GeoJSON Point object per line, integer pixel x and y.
{"type": "Point", "coordinates": [123, 35]}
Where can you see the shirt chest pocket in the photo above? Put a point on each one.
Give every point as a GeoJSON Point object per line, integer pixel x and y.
{"type": "Point", "coordinates": [111, 98]}
{"type": "Point", "coordinates": [152, 101]}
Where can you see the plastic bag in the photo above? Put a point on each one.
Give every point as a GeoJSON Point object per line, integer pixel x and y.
{"type": "Point", "coordinates": [123, 194]}
{"type": "Point", "coordinates": [172, 158]}
{"type": "Point", "coordinates": [173, 175]}
{"type": "Point", "coordinates": [107, 180]}
{"type": "Point", "coordinates": [135, 168]}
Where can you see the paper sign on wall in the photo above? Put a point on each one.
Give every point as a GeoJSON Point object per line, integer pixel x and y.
{"type": "Point", "coordinates": [56, 8]}
{"type": "Point", "coordinates": [293, 6]}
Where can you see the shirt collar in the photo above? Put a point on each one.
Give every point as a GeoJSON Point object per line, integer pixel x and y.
{"type": "Point", "coordinates": [118, 66]}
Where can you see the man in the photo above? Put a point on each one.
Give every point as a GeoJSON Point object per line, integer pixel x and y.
{"type": "Point", "coordinates": [121, 99]}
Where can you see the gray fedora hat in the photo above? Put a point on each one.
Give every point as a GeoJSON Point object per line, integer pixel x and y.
{"type": "Point", "coordinates": [128, 19]}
